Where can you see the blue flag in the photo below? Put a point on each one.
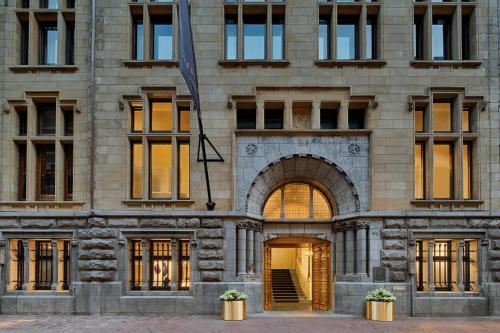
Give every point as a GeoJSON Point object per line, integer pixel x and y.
{"type": "Point", "coordinates": [187, 60]}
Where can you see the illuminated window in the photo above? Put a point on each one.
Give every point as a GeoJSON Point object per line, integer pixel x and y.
{"type": "Point", "coordinates": [442, 171]}
{"type": "Point", "coordinates": [136, 110]}
{"type": "Point", "coordinates": [160, 273]}
{"type": "Point", "coordinates": [419, 171]}
{"type": "Point", "coordinates": [184, 118]}
{"type": "Point", "coordinates": [161, 170]}
{"type": "Point", "coordinates": [161, 115]}
{"type": "Point", "coordinates": [446, 265]}
{"type": "Point", "coordinates": [136, 170]}
{"type": "Point", "coordinates": [419, 120]}
{"type": "Point", "coordinates": [184, 265]}
{"type": "Point", "coordinates": [467, 172]}
{"type": "Point", "coordinates": [297, 201]}
{"type": "Point", "coordinates": [136, 265]}
{"type": "Point", "coordinates": [184, 171]}
{"type": "Point", "coordinates": [441, 117]}
{"type": "Point", "coordinates": [466, 113]}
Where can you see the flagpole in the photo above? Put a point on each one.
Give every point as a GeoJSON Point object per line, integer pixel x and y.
{"type": "Point", "coordinates": [210, 203]}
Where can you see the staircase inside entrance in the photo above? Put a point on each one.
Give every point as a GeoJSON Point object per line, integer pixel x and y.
{"type": "Point", "coordinates": [286, 287]}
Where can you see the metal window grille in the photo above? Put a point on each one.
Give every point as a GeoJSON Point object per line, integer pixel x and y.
{"type": "Point", "coordinates": [184, 265]}
{"type": "Point", "coordinates": [442, 266]}
{"type": "Point", "coordinates": [160, 257]}
{"type": "Point", "coordinates": [20, 266]}
{"type": "Point", "coordinates": [43, 265]}
{"type": "Point", "coordinates": [136, 265]}
{"type": "Point", "coordinates": [66, 265]}
{"type": "Point", "coordinates": [467, 263]}
{"type": "Point", "coordinates": [420, 265]}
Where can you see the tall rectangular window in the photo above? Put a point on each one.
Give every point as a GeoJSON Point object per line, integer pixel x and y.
{"type": "Point", "coordinates": [356, 118]}
{"type": "Point", "coordinates": [467, 170]}
{"type": "Point", "coordinates": [138, 39]}
{"type": "Point", "coordinates": [22, 116]}
{"type": "Point", "coordinates": [184, 264]}
{"type": "Point", "coordinates": [231, 37]}
{"type": "Point", "coordinates": [419, 120]}
{"type": "Point", "coordinates": [161, 115]}
{"type": "Point", "coordinates": [254, 37]}
{"type": "Point", "coordinates": [160, 271]}
{"type": "Point", "coordinates": [68, 172]}
{"type": "Point", "coordinates": [136, 110]}
{"type": "Point", "coordinates": [184, 118]}
{"type": "Point", "coordinates": [136, 265]}
{"type": "Point", "coordinates": [419, 171]}
{"type": "Point", "coordinates": [46, 172]}
{"type": "Point", "coordinates": [442, 171]}
{"type": "Point", "coordinates": [441, 38]}
{"type": "Point", "coordinates": [442, 262]}
{"type": "Point", "coordinates": [161, 170]}
{"type": "Point", "coordinates": [43, 265]}
{"type": "Point", "coordinates": [70, 43]}
{"type": "Point", "coordinates": [184, 191]}
{"type": "Point", "coordinates": [347, 38]}
{"type": "Point", "coordinates": [24, 42]}
{"type": "Point", "coordinates": [162, 37]}
{"type": "Point", "coordinates": [46, 118]}
{"type": "Point", "coordinates": [328, 118]}
{"type": "Point", "coordinates": [68, 123]}
{"type": "Point", "coordinates": [48, 43]}
{"type": "Point", "coordinates": [418, 37]}
{"type": "Point", "coordinates": [66, 278]}
{"type": "Point", "coordinates": [246, 118]}
{"type": "Point", "coordinates": [19, 264]}
{"type": "Point", "coordinates": [21, 182]}
{"type": "Point", "coordinates": [466, 48]}
{"type": "Point", "coordinates": [273, 118]}
{"type": "Point", "coordinates": [136, 170]}
{"type": "Point", "coordinates": [278, 37]}
{"type": "Point", "coordinates": [466, 117]}
{"type": "Point", "coordinates": [371, 37]}
{"type": "Point", "coordinates": [324, 37]}
{"type": "Point", "coordinates": [441, 116]}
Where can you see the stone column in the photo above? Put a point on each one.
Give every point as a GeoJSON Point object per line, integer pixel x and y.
{"type": "Point", "coordinates": [339, 252]}
{"type": "Point", "coordinates": [288, 115]}
{"type": "Point", "coordinates": [460, 265]}
{"type": "Point", "coordinates": [55, 262]}
{"type": "Point", "coordinates": [430, 267]}
{"type": "Point", "coordinates": [145, 261]}
{"type": "Point", "coordinates": [258, 252]}
{"type": "Point", "coordinates": [26, 276]}
{"type": "Point", "coordinates": [242, 250]}
{"type": "Point", "coordinates": [361, 244]}
{"type": "Point", "coordinates": [260, 115]}
{"type": "Point", "coordinates": [175, 266]}
{"type": "Point", "coordinates": [250, 251]}
{"type": "Point", "coordinates": [316, 115]}
{"type": "Point", "coordinates": [350, 251]}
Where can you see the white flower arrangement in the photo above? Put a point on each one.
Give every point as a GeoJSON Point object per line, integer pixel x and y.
{"type": "Point", "coordinates": [233, 295]}
{"type": "Point", "coordinates": [380, 295]}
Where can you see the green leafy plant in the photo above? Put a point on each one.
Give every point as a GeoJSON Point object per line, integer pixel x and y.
{"type": "Point", "coordinates": [380, 295]}
{"type": "Point", "coordinates": [233, 295]}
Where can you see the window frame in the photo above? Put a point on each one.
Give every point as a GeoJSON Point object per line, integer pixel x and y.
{"type": "Point", "coordinates": [43, 149]}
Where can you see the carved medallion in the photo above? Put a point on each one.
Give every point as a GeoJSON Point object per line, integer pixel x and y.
{"type": "Point", "coordinates": [354, 149]}
{"type": "Point", "coordinates": [251, 149]}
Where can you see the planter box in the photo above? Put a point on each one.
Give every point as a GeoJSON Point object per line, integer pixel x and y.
{"type": "Point", "coordinates": [234, 310]}
{"type": "Point", "coordinates": [380, 311]}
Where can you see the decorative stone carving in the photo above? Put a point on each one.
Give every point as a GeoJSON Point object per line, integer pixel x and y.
{"type": "Point", "coordinates": [354, 149]}
{"type": "Point", "coordinates": [251, 149]}
{"type": "Point", "coordinates": [362, 225]}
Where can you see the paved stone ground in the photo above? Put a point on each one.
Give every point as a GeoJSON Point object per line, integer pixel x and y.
{"type": "Point", "coordinates": [138, 324]}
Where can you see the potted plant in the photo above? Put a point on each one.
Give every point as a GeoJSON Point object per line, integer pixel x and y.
{"type": "Point", "coordinates": [380, 305]}
{"type": "Point", "coordinates": [233, 305]}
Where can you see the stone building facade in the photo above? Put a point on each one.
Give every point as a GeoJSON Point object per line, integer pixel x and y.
{"type": "Point", "coordinates": [101, 212]}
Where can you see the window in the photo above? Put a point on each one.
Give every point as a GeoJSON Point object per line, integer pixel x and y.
{"type": "Point", "coordinates": [68, 172]}
{"type": "Point", "coordinates": [356, 118]}
{"type": "Point", "coordinates": [324, 37]}
{"type": "Point", "coordinates": [297, 201]}
{"type": "Point", "coordinates": [441, 38]}
{"type": "Point", "coordinates": [371, 37]}
{"type": "Point", "coordinates": [68, 122]}
{"type": "Point", "coordinates": [328, 118]}
{"type": "Point", "coordinates": [273, 118]}
{"type": "Point", "coordinates": [138, 39]}
{"type": "Point", "coordinates": [46, 172]}
{"type": "Point", "coordinates": [48, 43]}
{"type": "Point", "coordinates": [256, 22]}
{"type": "Point", "coordinates": [46, 118]}
{"type": "Point", "coordinates": [162, 254]}
{"type": "Point", "coordinates": [22, 116]}
{"type": "Point", "coordinates": [70, 43]}
{"type": "Point", "coordinates": [443, 155]}
{"type": "Point", "coordinates": [452, 260]}
{"type": "Point", "coordinates": [21, 182]}
{"type": "Point", "coordinates": [52, 4]}
{"type": "Point", "coordinates": [347, 38]}
{"type": "Point", "coordinates": [24, 44]}
{"type": "Point", "coordinates": [162, 43]}
{"type": "Point", "coordinates": [160, 152]}
{"type": "Point", "coordinates": [246, 118]}
{"type": "Point", "coordinates": [418, 37]}
{"type": "Point", "coordinates": [35, 258]}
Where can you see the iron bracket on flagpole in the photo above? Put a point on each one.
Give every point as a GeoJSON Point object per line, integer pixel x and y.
{"type": "Point", "coordinates": [219, 158]}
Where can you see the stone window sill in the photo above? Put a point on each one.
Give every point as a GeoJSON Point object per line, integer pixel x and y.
{"type": "Point", "coordinates": [319, 132]}
{"type": "Point", "coordinates": [159, 293]}
{"type": "Point", "coordinates": [44, 68]}
{"type": "Point", "coordinates": [454, 203]}
{"type": "Point", "coordinates": [38, 293]}
{"type": "Point", "coordinates": [51, 204]}
{"type": "Point", "coordinates": [248, 63]}
{"type": "Point", "coordinates": [158, 203]}
{"type": "Point", "coordinates": [350, 63]}
{"type": "Point", "coordinates": [150, 63]}
{"type": "Point", "coordinates": [445, 63]}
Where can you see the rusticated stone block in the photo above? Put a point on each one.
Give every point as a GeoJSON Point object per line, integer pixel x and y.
{"type": "Point", "coordinates": [494, 233]}
{"type": "Point", "coordinates": [211, 276]}
{"type": "Point", "coordinates": [394, 244]}
{"type": "Point", "coordinates": [495, 266]}
{"type": "Point", "coordinates": [418, 223]}
{"type": "Point", "coordinates": [395, 265]}
{"type": "Point", "coordinates": [97, 244]}
{"type": "Point", "coordinates": [9, 224]}
{"type": "Point", "coordinates": [210, 254]}
{"type": "Point", "coordinates": [124, 222]}
{"type": "Point", "coordinates": [212, 244]}
{"type": "Point", "coordinates": [97, 276]}
{"type": "Point", "coordinates": [211, 265]}
{"type": "Point", "coordinates": [210, 233]}
{"type": "Point", "coordinates": [393, 255]}
{"type": "Point", "coordinates": [397, 276]}
{"type": "Point", "coordinates": [96, 254]}
{"type": "Point", "coordinates": [393, 234]}
{"type": "Point", "coordinates": [494, 255]}
{"type": "Point", "coordinates": [448, 223]}
{"type": "Point", "coordinates": [84, 234]}
{"type": "Point", "coordinates": [102, 233]}
{"type": "Point", "coordinates": [48, 223]}
{"type": "Point", "coordinates": [188, 223]}
{"type": "Point", "coordinates": [98, 222]}
{"type": "Point", "coordinates": [479, 223]}
{"type": "Point", "coordinates": [394, 224]}
{"type": "Point", "coordinates": [76, 223]}
{"type": "Point", "coordinates": [164, 223]}
{"type": "Point", "coordinates": [97, 265]}
{"type": "Point", "coordinates": [211, 223]}
{"type": "Point", "coordinates": [495, 245]}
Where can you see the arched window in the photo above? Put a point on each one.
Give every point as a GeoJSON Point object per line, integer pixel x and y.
{"type": "Point", "coordinates": [297, 201]}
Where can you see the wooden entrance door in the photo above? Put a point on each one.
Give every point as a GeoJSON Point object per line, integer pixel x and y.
{"type": "Point", "coordinates": [321, 277]}
{"type": "Point", "coordinates": [268, 289]}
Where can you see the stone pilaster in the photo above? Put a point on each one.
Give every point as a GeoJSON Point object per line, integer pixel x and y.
{"type": "Point", "coordinates": [242, 249]}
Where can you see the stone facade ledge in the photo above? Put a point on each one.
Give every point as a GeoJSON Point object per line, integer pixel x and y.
{"type": "Point", "coordinates": [248, 63]}
{"type": "Point", "coordinates": [150, 63]}
{"type": "Point", "coordinates": [21, 69]}
{"type": "Point", "coordinates": [350, 63]}
{"type": "Point", "coordinates": [445, 63]}
{"type": "Point", "coordinates": [293, 133]}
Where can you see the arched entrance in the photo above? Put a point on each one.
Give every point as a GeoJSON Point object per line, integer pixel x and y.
{"type": "Point", "coordinates": [297, 274]}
